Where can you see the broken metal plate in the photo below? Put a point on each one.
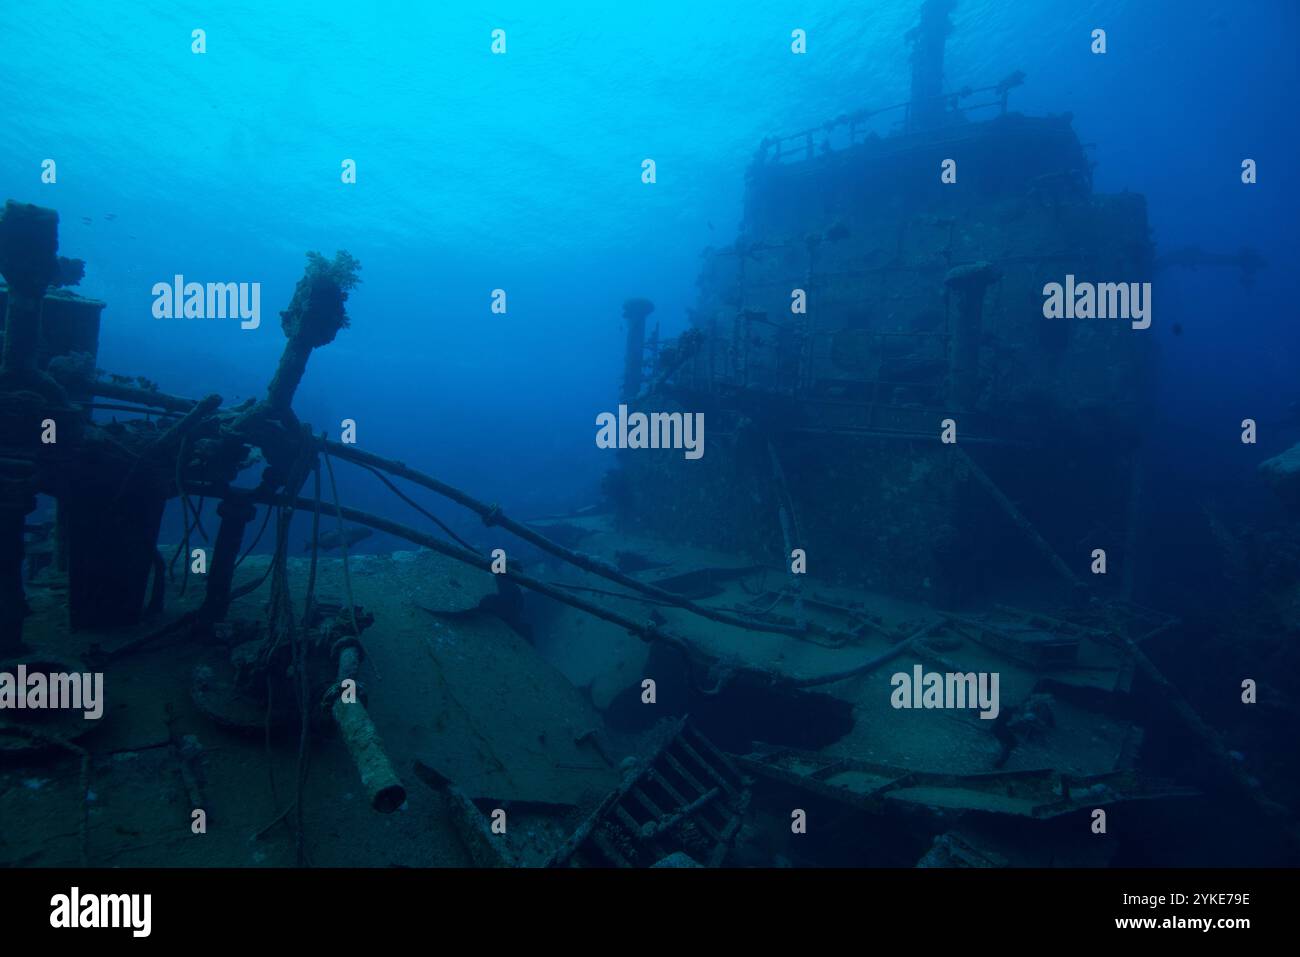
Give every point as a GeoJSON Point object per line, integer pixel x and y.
{"type": "Point", "coordinates": [1038, 794]}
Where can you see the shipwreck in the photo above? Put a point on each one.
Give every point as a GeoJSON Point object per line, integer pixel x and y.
{"type": "Point", "coordinates": [661, 681]}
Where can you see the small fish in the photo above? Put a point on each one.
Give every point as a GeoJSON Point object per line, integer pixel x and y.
{"type": "Point", "coordinates": [1178, 328]}
{"type": "Point", "coordinates": [330, 540]}
{"type": "Point", "coordinates": [87, 220]}
{"type": "Point", "coordinates": [110, 216]}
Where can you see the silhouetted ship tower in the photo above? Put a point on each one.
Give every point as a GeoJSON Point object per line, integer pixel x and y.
{"type": "Point", "coordinates": [924, 302]}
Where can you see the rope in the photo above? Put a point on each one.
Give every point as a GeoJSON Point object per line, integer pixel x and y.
{"type": "Point", "coordinates": [315, 552]}
{"type": "Point", "coordinates": [343, 540]}
{"type": "Point", "coordinates": [198, 520]}
{"type": "Point", "coordinates": [492, 515]}
{"type": "Point", "coordinates": [429, 515]}
{"type": "Point", "coordinates": [257, 538]}
{"type": "Point", "coordinates": [871, 663]}
{"type": "Point", "coordinates": [266, 738]}
{"type": "Point", "coordinates": [298, 639]}
{"type": "Point", "coordinates": [185, 518]}
{"type": "Point", "coordinates": [280, 619]}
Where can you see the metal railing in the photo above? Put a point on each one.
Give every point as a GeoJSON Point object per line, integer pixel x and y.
{"type": "Point", "coordinates": [849, 129]}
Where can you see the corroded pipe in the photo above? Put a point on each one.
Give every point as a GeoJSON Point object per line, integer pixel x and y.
{"type": "Point", "coordinates": [314, 317]}
{"type": "Point", "coordinates": [382, 784]}
{"type": "Point", "coordinates": [635, 312]}
{"type": "Point", "coordinates": [235, 515]}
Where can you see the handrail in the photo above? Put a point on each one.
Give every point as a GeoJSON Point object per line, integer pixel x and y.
{"type": "Point", "coordinates": [857, 117]}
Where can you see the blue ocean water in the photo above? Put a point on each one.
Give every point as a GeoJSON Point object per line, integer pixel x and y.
{"type": "Point", "coordinates": [522, 172]}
